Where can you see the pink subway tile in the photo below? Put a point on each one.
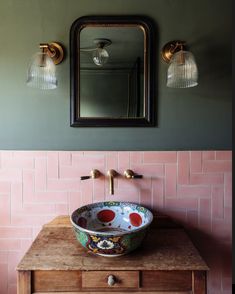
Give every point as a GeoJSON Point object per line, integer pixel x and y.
{"type": "Point", "coordinates": [136, 157]}
{"type": "Point", "coordinates": [5, 213]}
{"type": "Point", "coordinates": [17, 162]}
{"type": "Point", "coordinates": [123, 195]}
{"type": "Point", "coordinates": [15, 232]}
{"type": "Point", "coordinates": [12, 289]}
{"type": "Point", "coordinates": [208, 155]}
{"type": "Point", "coordinates": [99, 189]}
{"type": "Point", "coordinates": [146, 197]}
{"type": "Point", "coordinates": [35, 209]}
{"type": "Point", "coordinates": [158, 193]}
{"type": "Point", "coordinates": [3, 278]}
{"type": "Point", "coordinates": [205, 207]}
{"type": "Point", "coordinates": [3, 257]}
{"type": "Point", "coordinates": [196, 161]}
{"type": "Point", "coordinates": [9, 244]}
{"type": "Point", "coordinates": [228, 190]}
{"type": "Point", "coordinates": [11, 174]}
{"type": "Point", "coordinates": [63, 184]}
{"type": "Point", "coordinates": [170, 180]}
{"type": "Point", "coordinates": [160, 157]}
{"type": "Point", "coordinates": [75, 201]}
{"type": "Point", "coordinates": [183, 167]}
{"type": "Point", "coordinates": [5, 187]}
{"type": "Point", "coordinates": [217, 202]}
{"type": "Point", "coordinates": [87, 192]}
{"type": "Point", "coordinates": [28, 185]}
{"type": "Point", "coordinates": [179, 216]}
{"type": "Point", "coordinates": [153, 170]}
{"type": "Point", "coordinates": [16, 195]}
{"type": "Point", "coordinates": [195, 191]}
{"type": "Point", "coordinates": [70, 172]}
{"type": "Point", "coordinates": [52, 165]}
{"type": "Point", "coordinates": [51, 197]}
{"type": "Point", "coordinates": [40, 174]}
{"type": "Point", "coordinates": [25, 220]}
{"type": "Point", "coordinates": [91, 161]}
{"type": "Point", "coordinates": [65, 158]}
{"type": "Point", "coordinates": [223, 155]}
{"type": "Point", "coordinates": [62, 209]}
{"type": "Point", "coordinates": [111, 160]}
{"type": "Point", "coordinates": [222, 166]}
{"type": "Point", "coordinates": [33, 154]}
{"type": "Point", "coordinates": [228, 213]}
{"type": "Point", "coordinates": [13, 259]}
{"type": "Point", "coordinates": [206, 179]}
{"type": "Point", "coordinates": [182, 203]}
{"type": "Point", "coordinates": [123, 161]}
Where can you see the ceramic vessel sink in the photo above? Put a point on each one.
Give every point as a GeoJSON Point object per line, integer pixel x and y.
{"type": "Point", "coordinates": [111, 228]}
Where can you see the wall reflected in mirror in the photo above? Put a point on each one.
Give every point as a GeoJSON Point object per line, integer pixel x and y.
{"type": "Point", "coordinates": [112, 70]}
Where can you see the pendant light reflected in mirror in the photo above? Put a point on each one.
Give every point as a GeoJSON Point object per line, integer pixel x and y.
{"type": "Point", "coordinates": [100, 55]}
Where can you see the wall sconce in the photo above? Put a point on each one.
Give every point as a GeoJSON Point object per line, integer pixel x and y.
{"type": "Point", "coordinates": [100, 55]}
{"type": "Point", "coordinates": [182, 71]}
{"type": "Point", "coordinates": [42, 70]}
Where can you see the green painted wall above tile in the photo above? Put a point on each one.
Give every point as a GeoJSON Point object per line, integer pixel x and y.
{"type": "Point", "coordinates": [194, 118]}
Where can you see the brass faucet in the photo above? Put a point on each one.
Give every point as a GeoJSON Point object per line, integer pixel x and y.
{"type": "Point", "coordinates": [129, 174]}
{"type": "Point", "coordinates": [111, 174]}
{"type": "Point", "coordinates": [94, 174]}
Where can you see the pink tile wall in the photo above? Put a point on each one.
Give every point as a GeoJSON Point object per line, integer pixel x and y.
{"type": "Point", "coordinates": [193, 187]}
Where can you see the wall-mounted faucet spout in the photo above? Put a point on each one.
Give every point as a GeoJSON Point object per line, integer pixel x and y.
{"type": "Point", "coordinates": [111, 174]}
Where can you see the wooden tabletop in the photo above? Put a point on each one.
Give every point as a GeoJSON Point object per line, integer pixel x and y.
{"type": "Point", "coordinates": [56, 248]}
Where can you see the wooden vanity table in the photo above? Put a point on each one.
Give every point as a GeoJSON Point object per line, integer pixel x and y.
{"type": "Point", "coordinates": [166, 263]}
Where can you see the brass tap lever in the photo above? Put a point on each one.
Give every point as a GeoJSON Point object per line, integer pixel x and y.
{"type": "Point", "coordinates": [129, 174]}
{"type": "Point", "coordinates": [111, 174]}
{"type": "Point", "coordinates": [94, 174]}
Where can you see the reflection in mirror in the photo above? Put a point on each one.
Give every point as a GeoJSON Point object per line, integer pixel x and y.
{"type": "Point", "coordinates": [111, 72]}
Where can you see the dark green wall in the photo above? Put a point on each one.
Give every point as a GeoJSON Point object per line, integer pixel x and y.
{"type": "Point", "coordinates": [194, 118]}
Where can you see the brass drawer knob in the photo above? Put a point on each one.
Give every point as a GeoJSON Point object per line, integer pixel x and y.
{"type": "Point", "coordinates": [111, 280]}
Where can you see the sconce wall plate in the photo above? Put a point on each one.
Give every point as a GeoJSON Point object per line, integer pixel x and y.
{"type": "Point", "coordinates": [170, 48]}
{"type": "Point", "coordinates": [54, 50]}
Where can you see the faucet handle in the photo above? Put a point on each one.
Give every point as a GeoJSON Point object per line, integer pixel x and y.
{"type": "Point", "coordinates": [129, 174]}
{"type": "Point", "coordinates": [94, 174]}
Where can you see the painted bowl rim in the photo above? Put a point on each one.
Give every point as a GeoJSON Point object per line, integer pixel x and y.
{"type": "Point", "coordinates": [91, 232]}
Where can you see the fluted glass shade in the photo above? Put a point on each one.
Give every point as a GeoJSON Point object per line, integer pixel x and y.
{"type": "Point", "coordinates": [100, 56]}
{"type": "Point", "coordinates": [182, 71]}
{"type": "Point", "coordinates": [41, 72]}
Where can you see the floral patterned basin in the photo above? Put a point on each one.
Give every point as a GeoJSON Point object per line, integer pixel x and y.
{"type": "Point", "coordinates": [111, 228]}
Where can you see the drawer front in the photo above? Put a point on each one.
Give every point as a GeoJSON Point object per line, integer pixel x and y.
{"type": "Point", "coordinates": [110, 279]}
{"type": "Point", "coordinates": [167, 280]}
{"type": "Point", "coordinates": [51, 281]}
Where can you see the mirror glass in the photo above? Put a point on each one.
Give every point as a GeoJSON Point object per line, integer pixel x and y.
{"type": "Point", "coordinates": [112, 71]}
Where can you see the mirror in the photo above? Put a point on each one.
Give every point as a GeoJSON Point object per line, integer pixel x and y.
{"type": "Point", "coordinates": [112, 71]}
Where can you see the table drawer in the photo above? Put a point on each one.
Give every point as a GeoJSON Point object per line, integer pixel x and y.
{"type": "Point", "coordinates": [56, 280]}
{"type": "Point", "coordinates": [167, 280]}
{"type": "Point", "coordinates": [110, 279]}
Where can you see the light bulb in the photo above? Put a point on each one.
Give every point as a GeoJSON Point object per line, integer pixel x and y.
{"type": "Point", "coordinates": [100, 56]}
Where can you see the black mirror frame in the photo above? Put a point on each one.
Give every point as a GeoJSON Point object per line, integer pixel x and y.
{"type": "Point", "coordinates": [149, 118]}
